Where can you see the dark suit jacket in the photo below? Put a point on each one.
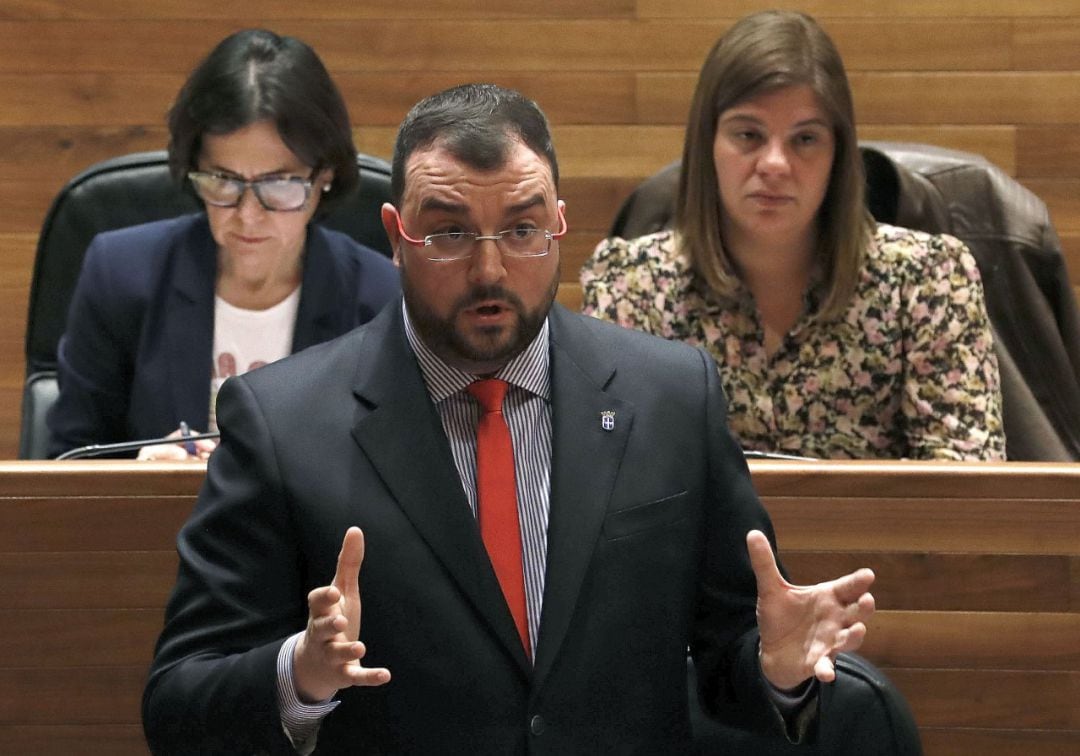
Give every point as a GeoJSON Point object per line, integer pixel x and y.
{"type": "Point", "coordinates": [136, 357]}
{"type": "Point", "coordinates": [646, 555]}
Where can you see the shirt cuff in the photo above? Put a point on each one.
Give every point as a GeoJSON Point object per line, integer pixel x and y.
{"type": "Point", "coordinates": [796, 707]}
{"type": "Point", "coordinates": [299, 720]}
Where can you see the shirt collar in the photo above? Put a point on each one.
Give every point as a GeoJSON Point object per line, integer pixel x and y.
{"type": "Point", "coordinates": [529, 370]}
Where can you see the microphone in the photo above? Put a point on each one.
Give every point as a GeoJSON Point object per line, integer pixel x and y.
{"type": "Point", "coordinates": [753, 454]}
{"type": "Point", "coordinates": [96, 450]}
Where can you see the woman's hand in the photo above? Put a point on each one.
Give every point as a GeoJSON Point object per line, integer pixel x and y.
{"type": "Point", "coordinates": [183, 451]}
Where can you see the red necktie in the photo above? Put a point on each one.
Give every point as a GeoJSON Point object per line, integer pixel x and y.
{"type": "Point", "coordinates": [497, 494]}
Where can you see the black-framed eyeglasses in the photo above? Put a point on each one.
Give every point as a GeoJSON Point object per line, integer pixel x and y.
{"type": "Point", "coordinates": [275, 193]}
{"type": "Point", "coordinates": [521, 241]}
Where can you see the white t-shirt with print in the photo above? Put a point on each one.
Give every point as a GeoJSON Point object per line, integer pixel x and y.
{"type": "Point", "coordinates": [247, 339]}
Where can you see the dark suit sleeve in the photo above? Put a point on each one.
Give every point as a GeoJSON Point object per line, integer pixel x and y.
{"type": "Point", "coordinates": [239, 595]}
{"type": "Point", "coordinates": [725, 638]}
{"type": "Point", "coordinates": [94, 358]}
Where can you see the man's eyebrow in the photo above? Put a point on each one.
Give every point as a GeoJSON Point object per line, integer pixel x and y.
{"type": "Point", "coordinates": [438, 204]}
{"type": "Point", "coordinates": [526, 204]}
{"type": "Point", "coordinates": [434, 203]}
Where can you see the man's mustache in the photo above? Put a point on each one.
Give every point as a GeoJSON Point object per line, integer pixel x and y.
{"type": "Point", "coordinates": [481, 294]}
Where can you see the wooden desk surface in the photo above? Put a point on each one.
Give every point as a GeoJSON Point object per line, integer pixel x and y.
{"type": "Point", "coordinates": [978, 591]}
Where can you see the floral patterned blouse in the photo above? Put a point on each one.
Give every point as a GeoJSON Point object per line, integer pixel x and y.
{"type": "Point", "coordinates": [908, 372]}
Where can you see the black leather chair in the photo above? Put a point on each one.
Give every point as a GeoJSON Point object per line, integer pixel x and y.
{"type": "Point", "coordinates": [860, 713]}
{"type": "Point", "coordinates": [125, 191]}
{"type": "Point", "coordinates": [1033, 312]}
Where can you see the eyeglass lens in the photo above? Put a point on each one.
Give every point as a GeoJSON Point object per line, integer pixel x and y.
{"type": "Point", "coordinates": [273, 193]}
{"type": "Point", "coordinates": [519, 242]}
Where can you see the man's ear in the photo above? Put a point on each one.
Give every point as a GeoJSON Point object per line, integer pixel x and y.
{"type": "Point", "coordinates": [389, 216]}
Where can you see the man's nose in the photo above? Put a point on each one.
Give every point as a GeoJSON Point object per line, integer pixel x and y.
{"type": "Point", "coordinates": [486, 263]}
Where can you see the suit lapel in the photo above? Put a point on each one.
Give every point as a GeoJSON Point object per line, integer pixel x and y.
{"type": "Point", "coordinates": [188, 324]}
{"type": "Point", "coordinates": [585, 460]}
{"type": "Point", "coordinates": [399, 430]}
{"type": "Point", "coordinates": [320, 308]}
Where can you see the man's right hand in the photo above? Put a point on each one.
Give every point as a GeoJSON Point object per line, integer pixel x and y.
{"type": "Point", "coordinates": [327, 656]}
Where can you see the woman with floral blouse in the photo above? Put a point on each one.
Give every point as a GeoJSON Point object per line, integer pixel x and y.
{"type": "Point", "coordinates": [835, 337]}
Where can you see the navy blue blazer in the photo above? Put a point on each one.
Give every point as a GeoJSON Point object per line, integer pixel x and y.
{"type": "Point", "coordinates": [136, 357]}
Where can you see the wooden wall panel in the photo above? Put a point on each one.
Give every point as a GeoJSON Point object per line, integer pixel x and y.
{"type": "Point", "coordinates": [1036, 702]}
{"type": "Point", "coordinates": [1048, 151]}
{"type": "Point", "coordinates": [984, 97]}
{"type": "Point", "coordinates": [101, 693]}
{"type": "Point", "coordinates": [82, 80]}
{"type": "Point", "coordinates": [950, 581]}
{"type": "Point", "coordinates": [1046, 45]}
{"type": "Point", "coordinates": [975, 640]}
{"type": "Point", "coordinates": [1062, 197]}
{"type": "Point", "coordinates": [85, 740]}
{"type": "Point", "coordinates": [823, 9]}
{"type": "Point", "coordinates": [1000, 742]}
{"type": "Point", "coordinates": [979, 632]}
{"type": "Point", "coordinates": [346, 10]}
{"type": "Point", "coordinates": [566, 44]}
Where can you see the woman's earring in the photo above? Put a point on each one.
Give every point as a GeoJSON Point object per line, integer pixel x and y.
{"type": "Point", "coordinates": [326, 188]}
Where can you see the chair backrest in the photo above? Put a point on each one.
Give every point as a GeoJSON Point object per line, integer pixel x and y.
{"type": "Point", "coordinates": [125, 191]}
{"type": "Point", "coordinates": [1033, 311]}
{"type": "Point", "coordinates": [860, 712]}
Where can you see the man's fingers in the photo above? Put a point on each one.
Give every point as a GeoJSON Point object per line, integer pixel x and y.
{"type": "Point", "coordinates": [866, 606]}
{"type": "Point", "coordinates": [763, 562]}
{"type": "Point", "coordinates": [347, 577]}
{"type": "Point", "coordinates": [326, 627]}
{"type": "Point", "coordinates": [824, 669]}
{"type": "Point", "coordinates": [851, 638]}
{"type": "Point", "coordinates": [323, 599]}
{"type": "Point", "coordinates": [362, 676]}
{"type": "Point", "coordinates": [344, 652]}
{"type": "Point", "coordinates": [852, 586]}
{"type": "Point", "coordinates": [858, 611]}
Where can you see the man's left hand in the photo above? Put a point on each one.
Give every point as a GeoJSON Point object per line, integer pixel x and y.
{"type": "Point", "coordinates": [803, 628]}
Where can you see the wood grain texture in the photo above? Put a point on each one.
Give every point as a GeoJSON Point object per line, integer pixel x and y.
{"type": "Point", "coordinates": [946, 581]}
{"type": "Point", "coordinates": [971, 740]}
{"type": "Point", "coordinates": [991, 699]}
{"type": "Point", "coordinates": [856, 8]}
{"type": "Point", "coordinates": [977, 633]}
{"type": "Point", "coordinates": [86, 739]}
{"type": "Point", "coordinates": [1015, 641]}
{"type": "Point", "coordinates": [84, 80]}
{"type": "Point", "coordinates": [271, 10]}
{"type": "Point", "coordinates": [1048, 151]}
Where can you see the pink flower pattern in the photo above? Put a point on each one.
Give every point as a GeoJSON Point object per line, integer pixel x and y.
{"type": "Point", "coordinates": [908, 372]}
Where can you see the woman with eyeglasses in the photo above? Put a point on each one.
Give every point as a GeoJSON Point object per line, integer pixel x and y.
{"type": "Point", "coordinates": [835, 337]}
{"type": "Point", "coordinates": [164, 312]}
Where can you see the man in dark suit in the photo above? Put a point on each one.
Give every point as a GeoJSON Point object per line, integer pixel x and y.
{"type": "Point", "coordinates": [356, 461]}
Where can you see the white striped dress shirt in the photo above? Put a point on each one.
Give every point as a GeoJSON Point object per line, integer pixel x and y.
{"type": "Point", "coordinates": [527, 409]}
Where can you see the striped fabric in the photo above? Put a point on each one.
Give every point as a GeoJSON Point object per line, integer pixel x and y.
{"type": "Point", "coordinates": [527, 410]}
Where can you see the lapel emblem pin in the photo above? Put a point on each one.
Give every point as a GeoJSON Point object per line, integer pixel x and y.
{"type": "Point", "coordinates": [607, 420]}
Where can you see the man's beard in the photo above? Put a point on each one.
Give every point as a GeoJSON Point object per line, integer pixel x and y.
{"type": "Point", "coordinates": [490, 349]}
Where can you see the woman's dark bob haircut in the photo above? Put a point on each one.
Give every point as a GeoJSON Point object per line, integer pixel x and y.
{"type": "Point", "coordinates": [256, 75]}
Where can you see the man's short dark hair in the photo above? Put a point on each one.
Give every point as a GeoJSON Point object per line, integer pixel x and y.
{"type": "Point", "coordinates": [257, 75]}
{"type": "Point", "coordinates": [477, 124]}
